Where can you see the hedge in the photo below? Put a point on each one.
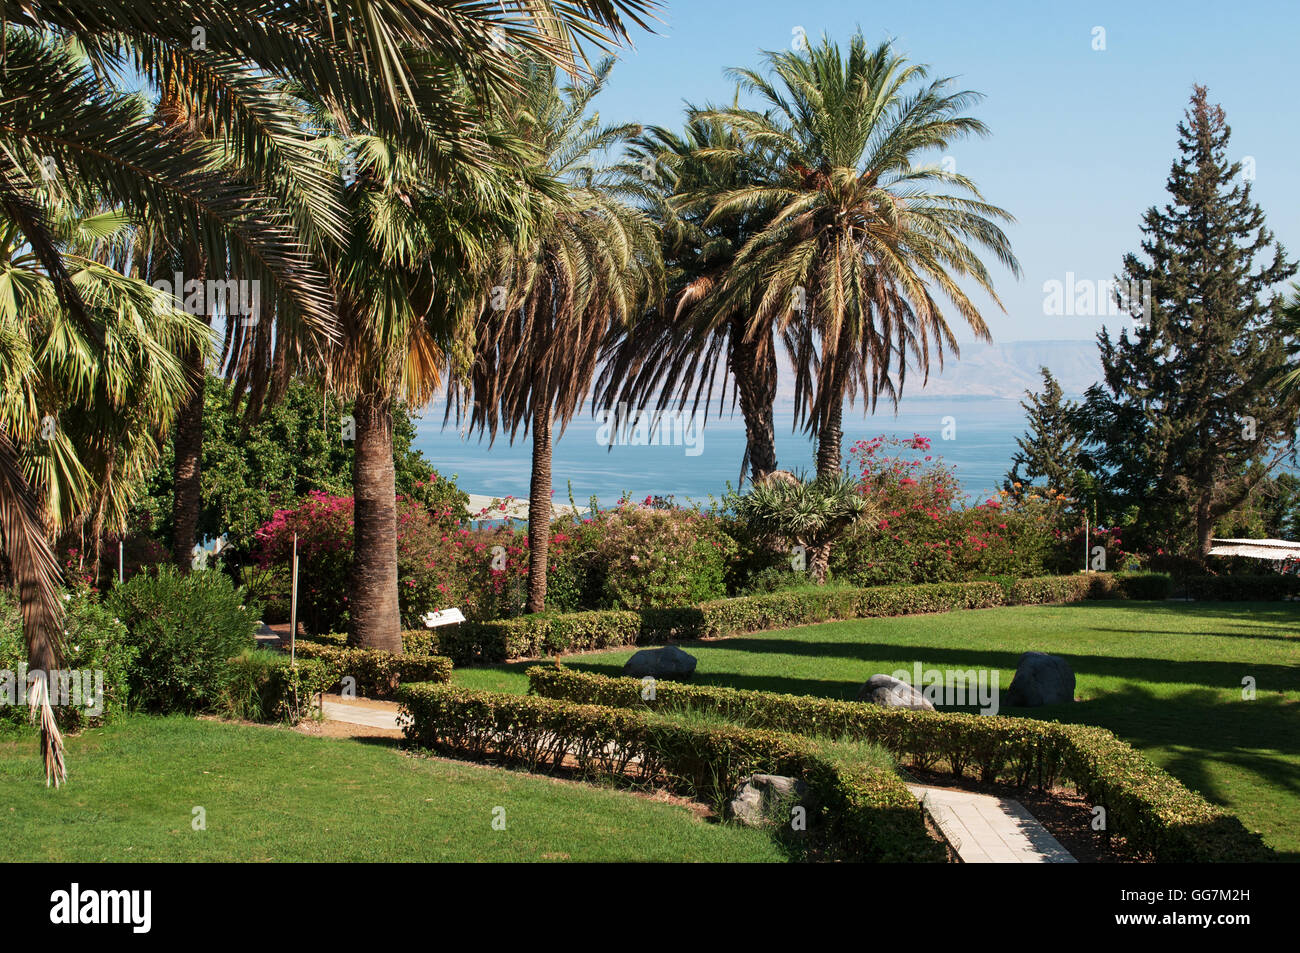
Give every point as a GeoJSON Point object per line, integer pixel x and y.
{"type": "Point", "coordinates": [557, 633]}
{"type": "Point", "coordinates": [1240, 588]}
{"type": "Point", "coordinates": [1150, 808]}
{"type": "Point", "coordinates": [869, 812]}
{"type": "Point", "coordinates": [267, 687]}
{"type": "Point", "coordinates": [377, 673]}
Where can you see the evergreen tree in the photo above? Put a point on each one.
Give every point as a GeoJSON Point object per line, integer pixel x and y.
{"type": "Point", "coordinates": [1187, 425]}
{"type": "Point", "coordinates": [1050, 448]}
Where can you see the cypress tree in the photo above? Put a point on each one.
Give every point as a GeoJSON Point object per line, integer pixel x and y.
{"type": "Point", "coordinates": [1188, 424]}
{"type": "Point", "coordinates": [1050, 448]}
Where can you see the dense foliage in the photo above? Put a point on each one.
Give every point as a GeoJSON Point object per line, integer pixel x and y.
{"type": "Point", "coordinates": [184, 629]}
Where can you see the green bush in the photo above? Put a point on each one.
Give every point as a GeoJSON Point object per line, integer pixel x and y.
{"type": "Point", "coordinates": [93, 642]}
{"type": "Point", "coordinates": [870, 814]}
{"type": "Point", "coordinates": [1147, 806]}
{"type": "Point", "coordinates": [1253, 588]}
{"type": "Point", "coordinates": [185, 629]}
{"type": "Point", "coordinates": [265, 686]}
{"type": "Point", "coordinates": [636, 557]}
{"type": "Point", "coordinates": [377, 674]}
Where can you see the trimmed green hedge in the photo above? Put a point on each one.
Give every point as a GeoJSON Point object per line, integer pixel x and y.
{"type": "Point", "coordinates": [1152, 809]}
{"type": "Point", "coordinates": [870, 814]}
{"type": "Point", "coordinates": [377, 673]}
{"type": "Point", "coordinates": [1240, 588]}
{"type": "Point", "coordinates": [558, 633]}
{"type": "Point", "coordinates": [264, 686]}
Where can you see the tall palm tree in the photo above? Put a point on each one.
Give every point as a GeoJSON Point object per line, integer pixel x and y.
{"type": "Point", "coordinates": [81, 406]}
{"type": "Point", "coordinates": [588, 262]}
{"type": "Point", "coordinates": [675, 355]}
{"type": "Point", "coordinates": [864, 234]}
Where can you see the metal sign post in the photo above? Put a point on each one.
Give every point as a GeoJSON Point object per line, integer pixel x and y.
{"type": "Point", "coordinates": [293, 605]}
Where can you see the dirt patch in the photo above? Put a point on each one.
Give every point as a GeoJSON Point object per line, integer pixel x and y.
{"type": "Point", "coordinates": [1066, 815]}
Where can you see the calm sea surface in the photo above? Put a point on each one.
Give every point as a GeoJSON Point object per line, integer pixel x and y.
{"type": "Point", "coordinates": [984, 438]}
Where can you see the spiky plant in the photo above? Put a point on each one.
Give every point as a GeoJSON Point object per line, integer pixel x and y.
{"type": "Point", "coordinates": [810, 513]}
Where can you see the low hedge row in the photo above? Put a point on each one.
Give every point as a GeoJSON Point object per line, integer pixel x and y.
{"type": "Point", "coordinates": [555, 634]}
{"type": "Point", "coordinates": [265, 686]}
{"type": "Point", "coordinates": [1239, 588]}
{"type": "Point", "coordinates": [377, 673]}
{"type": "Point", "coordinates": [869, 813]}
{"type": "Point", "coordinates": [1149, 807]}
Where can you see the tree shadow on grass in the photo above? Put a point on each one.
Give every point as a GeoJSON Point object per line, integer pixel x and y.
{"type": "Point", "coordinates": [1225, 674]}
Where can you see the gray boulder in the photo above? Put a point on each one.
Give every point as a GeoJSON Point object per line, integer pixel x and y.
{"type": "Point", "coordinates": [667, 662]}
{"type": "Point", "coordinates": [762, 799]}
{"type": "Point", "coordinates": [890, 692]}
{"type": "Point", "coordinates": [1040, 679]}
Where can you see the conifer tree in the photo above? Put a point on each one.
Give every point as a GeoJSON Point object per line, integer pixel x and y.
{"type": "Point", "coordinates": [1048, 457]}
{"type": "Point", "coordinates": [1188, 423]}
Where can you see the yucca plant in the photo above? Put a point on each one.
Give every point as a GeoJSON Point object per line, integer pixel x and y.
{"type": "Point", "coordinates": [811, 514]}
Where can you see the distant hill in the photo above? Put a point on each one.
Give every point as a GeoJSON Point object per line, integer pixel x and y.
{"type": "Point", "coordinates": [1008, 370]}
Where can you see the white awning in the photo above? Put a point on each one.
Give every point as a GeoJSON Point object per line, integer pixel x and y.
{"type": "Point", "coordinates": [1255, 548]}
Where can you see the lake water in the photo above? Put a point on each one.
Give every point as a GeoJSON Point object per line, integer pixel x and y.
{"type": "Point", "coordinates": [984, 433]}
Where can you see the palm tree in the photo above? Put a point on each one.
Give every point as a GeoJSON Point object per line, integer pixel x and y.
{"type": "Point", "coordinates": [588, 262]}
{"type": "Point", "coordinates": [676, 354]}
{"type": "Point", "coordinates": [81, 406]}
{"type": "Point", "coordinates": [1289, 325]}
{"type": "Point", "coordinates": [60, 114]}
{"type": "Point", "coordinates": [863, 234]}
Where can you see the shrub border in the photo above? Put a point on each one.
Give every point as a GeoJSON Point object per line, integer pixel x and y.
{"type": "Point", "coordinates": [870, 813]}
{"type": "Point", "coordinates": [1152, 809]}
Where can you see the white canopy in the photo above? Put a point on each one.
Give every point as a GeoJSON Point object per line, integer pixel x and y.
{"type": "Point", "coordinates": [1255, 548]}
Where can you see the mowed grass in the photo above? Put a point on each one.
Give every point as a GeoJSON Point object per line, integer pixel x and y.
{"type": "Point", "coordinates": [1166, 677]}
{"type": "Point", "coordinates": [276, 795]}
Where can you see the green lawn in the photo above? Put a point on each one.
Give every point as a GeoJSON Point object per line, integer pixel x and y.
{"type": "Point", "coordinates": [273, 794]}
{"type": "Point", "coordinates": [1167, 677]}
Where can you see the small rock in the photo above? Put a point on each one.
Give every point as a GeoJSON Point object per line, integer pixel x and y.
{"type": "Point", "coordinates": [891, 692]}
{"type": "Point", "coordinates": [761, 799]}
{"type": "Point", "coordinates": [1040, 679]}
{"type": "Point", "coordinates": [667, 662]}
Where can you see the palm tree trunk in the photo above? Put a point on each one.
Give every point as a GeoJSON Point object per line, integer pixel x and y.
{"type": "Point", "coordinates": [754, 371]}
{"type": "Point", "coordinates": [188, 465]}
{"type": "Point", "coordinates": [539, 508]}
{"type": "Point", "coordinates": [376, 615]}
{"type": "Point", "coordinates": [829, 437]}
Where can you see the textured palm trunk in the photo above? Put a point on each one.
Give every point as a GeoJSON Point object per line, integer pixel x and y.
{"type": "Point", "coordinates": [829, 437]}
{"type": "Point", "coordinates": [755, 374]}
{"type": "Point", "coordinates": [376, 614]}
{"type": "Point", "coordinates": [188, 466]}
{"type": "Point", "coordinates": [539, 509]}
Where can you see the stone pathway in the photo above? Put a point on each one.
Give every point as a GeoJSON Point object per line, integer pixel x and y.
{"type": "Point", "coordinates": [371, 715]}
{"type": "Point", "coordinates": [984, 829]}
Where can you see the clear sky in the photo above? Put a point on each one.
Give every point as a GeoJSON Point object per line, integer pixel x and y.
{"type": "Point", "coordinates": [1082, 139]}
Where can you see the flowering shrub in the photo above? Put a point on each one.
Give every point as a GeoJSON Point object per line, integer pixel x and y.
{"type": "Point", "coordinates": [441, 563]}
{"type": "Point", "coordinates": [927, 533]}
{"type": "Point", "coordinates": [637, 556]}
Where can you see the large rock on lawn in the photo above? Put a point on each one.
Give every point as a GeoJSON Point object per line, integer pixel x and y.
{"type": "Point", "coordinates": [762, 799]}
{"type": "Point", "coordinates": [1040, 679]}
{"type": "Point", "coordinates": [667, 662]}
{"type": "Point", "coordinates": [890, 692]}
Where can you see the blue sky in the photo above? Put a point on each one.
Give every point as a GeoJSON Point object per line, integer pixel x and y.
{"type": "Point", "coordinates": [1082, 139]}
